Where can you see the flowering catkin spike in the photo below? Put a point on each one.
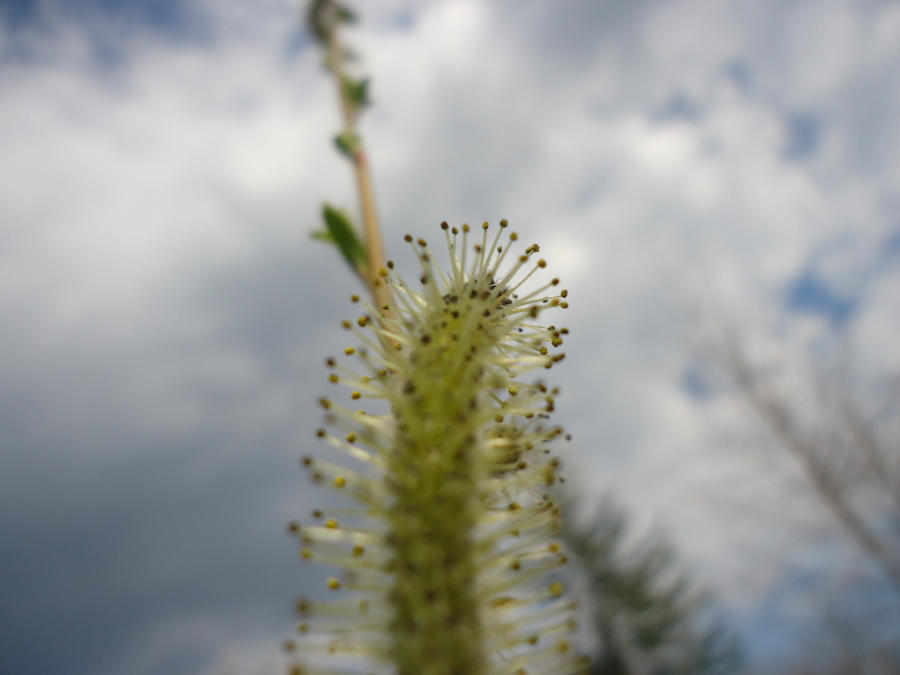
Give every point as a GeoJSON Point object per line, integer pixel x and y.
{"type": "Point", "coordinates": [448, 567]}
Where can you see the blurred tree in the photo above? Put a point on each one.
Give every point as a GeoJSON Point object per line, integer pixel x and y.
{"type": "Point", "coordinates": [647, 616]}
{"type": "Point", "coordinates": [844, 440]}
{"type": "Point", "coordinates": [851, 463]}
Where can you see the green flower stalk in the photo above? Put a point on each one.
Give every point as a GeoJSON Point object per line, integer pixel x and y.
{"type": "Point", "coordinates": [447, 563]}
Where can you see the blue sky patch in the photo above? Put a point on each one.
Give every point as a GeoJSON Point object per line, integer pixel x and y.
{"type": "Point", "coordinates": [678, 108]}
{"type": "Point", "coordinates": [170, 17]}
{"type": "Point", "coordinates": [739, 73]}
{"type": "Point", "coordinates": [803, 133]}
{"type": "Point", "coordinates": [809, 293]}
{"type": "Point", "coordinates": [695, 384]}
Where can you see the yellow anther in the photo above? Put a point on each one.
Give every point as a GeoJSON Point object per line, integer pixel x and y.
{"type": "Point", "coordinates": [331, 524]}
{"type": "Point", "coordinates": [340, 481]}
{"type": "Point", "coordinates": [333, 583]}
{"type": "Point", "coordinates": [350, 351]}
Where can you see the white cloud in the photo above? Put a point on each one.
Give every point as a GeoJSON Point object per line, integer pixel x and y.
{"type": "Point", "coordinates": [131, 193]}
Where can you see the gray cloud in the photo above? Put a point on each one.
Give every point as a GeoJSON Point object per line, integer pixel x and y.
{"type": "Point", "coordinates": [165, 315]}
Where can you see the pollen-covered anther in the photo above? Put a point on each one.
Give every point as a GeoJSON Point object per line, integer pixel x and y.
{"type": "Point", "coordinates": [333, 583]}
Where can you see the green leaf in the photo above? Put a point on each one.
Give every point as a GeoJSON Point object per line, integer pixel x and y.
{"type": "Point", "coordinates": [322, 235]}
{"type": "Point", "coordinates": [357, 91]}
{"type": "Point", "coordinates": [323, 15]}
{"type": "Point", "coordinates": [347, 144]}
{"type": "Point", "coordinates": [344, 236]}
{"type": "Point", "coordinates": [345, 14]}
{"type": "Point", "coordinates": [316, 20]}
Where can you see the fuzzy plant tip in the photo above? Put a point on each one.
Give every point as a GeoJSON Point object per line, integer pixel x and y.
{"type": "Point", "coordinates": [448, 561]}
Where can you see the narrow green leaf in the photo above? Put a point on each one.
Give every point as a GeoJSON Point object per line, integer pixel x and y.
{"type": "Point", "coordinates": [347, 144]}
{"type": "Point", "coordinates": [316, 20]}
{"type": "Point", "coordinates": [345, 14]}
{"type": "Point", "coordinates": [357, 91]}
{"type": "Point", "coordinates": [322, 235]}
{"type": "Point", "coordinates": [323, 15]}
{"type": "Point", "coordinates": [344, 236]}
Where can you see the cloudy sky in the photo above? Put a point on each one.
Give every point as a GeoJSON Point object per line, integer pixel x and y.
{"type": "Point", "coordinates": [685, 166]}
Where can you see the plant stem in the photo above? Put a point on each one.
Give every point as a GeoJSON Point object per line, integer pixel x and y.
{"type": "Point", "coordinates": [371, 231]}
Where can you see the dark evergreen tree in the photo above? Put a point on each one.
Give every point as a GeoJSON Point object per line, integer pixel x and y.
{"type": "Point", "coordinates": [648, 617]}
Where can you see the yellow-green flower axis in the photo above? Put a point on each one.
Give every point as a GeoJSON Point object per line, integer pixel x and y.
{"type": "Point", "coordinates": [445, 570]}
